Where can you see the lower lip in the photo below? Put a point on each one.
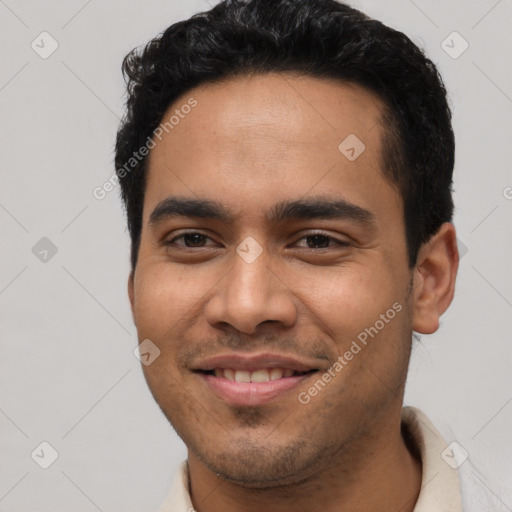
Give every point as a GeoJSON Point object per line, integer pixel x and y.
{"type": "Point", "coordinates": [252, 393]}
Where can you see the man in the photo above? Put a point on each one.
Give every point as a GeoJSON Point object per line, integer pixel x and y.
{"type": "Point", "coordinates": [286, 168]}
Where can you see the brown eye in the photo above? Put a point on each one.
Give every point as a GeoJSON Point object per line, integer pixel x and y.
{"type": "Point", "coordinates": [194, 240]}
{"type": "Point", "coordinates": [321, 241]}
{"type": "Point", "coordinates": [191, 240]}
{"type": "Point", "coordinates": [318, 241]}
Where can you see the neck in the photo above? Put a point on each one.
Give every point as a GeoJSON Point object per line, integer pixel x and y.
{"type": "Point", "coordinates": [377, 473]}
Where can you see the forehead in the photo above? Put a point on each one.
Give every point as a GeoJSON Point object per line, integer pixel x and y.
{"type": "Point", "coordinates": [265, 138]}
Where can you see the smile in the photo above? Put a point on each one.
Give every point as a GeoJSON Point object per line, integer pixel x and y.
{"type": "Point", "coordinates": [252, 388]}
{"type": "Point", "coordinates": [260, 375]}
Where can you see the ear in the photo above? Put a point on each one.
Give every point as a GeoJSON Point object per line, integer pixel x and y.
{"type": "Point", "coordinates": [131, 293]}
{"type": "Point", "coordinates": [434, 279]}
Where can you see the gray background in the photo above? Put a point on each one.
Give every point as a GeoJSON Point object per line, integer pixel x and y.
{"type": "Point", "coordinates": [68, 375]}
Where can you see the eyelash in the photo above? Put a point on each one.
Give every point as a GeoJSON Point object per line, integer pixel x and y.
{"type": "Point", "coordinates": [338, 243]}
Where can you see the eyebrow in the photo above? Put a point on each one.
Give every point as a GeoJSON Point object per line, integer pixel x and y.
{"type": "Point", "coordinates": [302, 209]}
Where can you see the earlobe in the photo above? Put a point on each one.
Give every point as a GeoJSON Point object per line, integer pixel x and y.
{"type": "Point", "coordinates": [434, 279]}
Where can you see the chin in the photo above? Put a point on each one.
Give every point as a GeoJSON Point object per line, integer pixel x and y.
{"type": "Point", "coordinates": [260, 467]}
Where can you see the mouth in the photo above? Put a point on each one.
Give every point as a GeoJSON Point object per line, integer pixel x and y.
{"type": "Point", "coordinates": [256, 375]}
{"type": "Point", "coordinates": [243, 383]}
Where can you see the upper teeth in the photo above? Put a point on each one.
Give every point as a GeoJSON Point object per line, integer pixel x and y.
{"type": "Point", "coordinates": [262, 375]}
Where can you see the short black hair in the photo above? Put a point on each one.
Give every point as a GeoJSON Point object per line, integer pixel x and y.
{"type": "Point", "coordinates": [317, 38]}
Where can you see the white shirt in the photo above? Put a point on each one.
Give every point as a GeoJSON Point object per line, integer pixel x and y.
{"type": "Point", "coordinates": [440, 483]}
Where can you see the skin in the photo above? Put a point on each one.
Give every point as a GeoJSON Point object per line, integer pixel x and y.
{"type": "Point", "coordinates": [250, 144]}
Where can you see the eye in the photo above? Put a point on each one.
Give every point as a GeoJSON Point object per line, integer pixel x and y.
{"type": "Point", "coordinates": [195, 239]}
{"type": "Point", "coordinates": [192, 239]}
{"type": "Point", "coordinates": [320, 241]}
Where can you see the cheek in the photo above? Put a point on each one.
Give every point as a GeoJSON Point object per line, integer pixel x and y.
{"type": "Point", "coordinates": [347, 299]}
{"type": "Point", "coordinates": [161, 297]}
{"type": "Point", "coordinates": [366, 320]}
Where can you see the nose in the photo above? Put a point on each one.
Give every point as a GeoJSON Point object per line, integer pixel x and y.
{"type": "Point", "coordinates": [249, 295]}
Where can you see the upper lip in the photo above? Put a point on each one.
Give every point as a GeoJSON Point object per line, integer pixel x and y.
{"type": "Point", "coordinates": [254, 362]}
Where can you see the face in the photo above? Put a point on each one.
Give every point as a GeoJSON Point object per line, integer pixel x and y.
{"type": "Point", "coordinates": [269, 255]}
